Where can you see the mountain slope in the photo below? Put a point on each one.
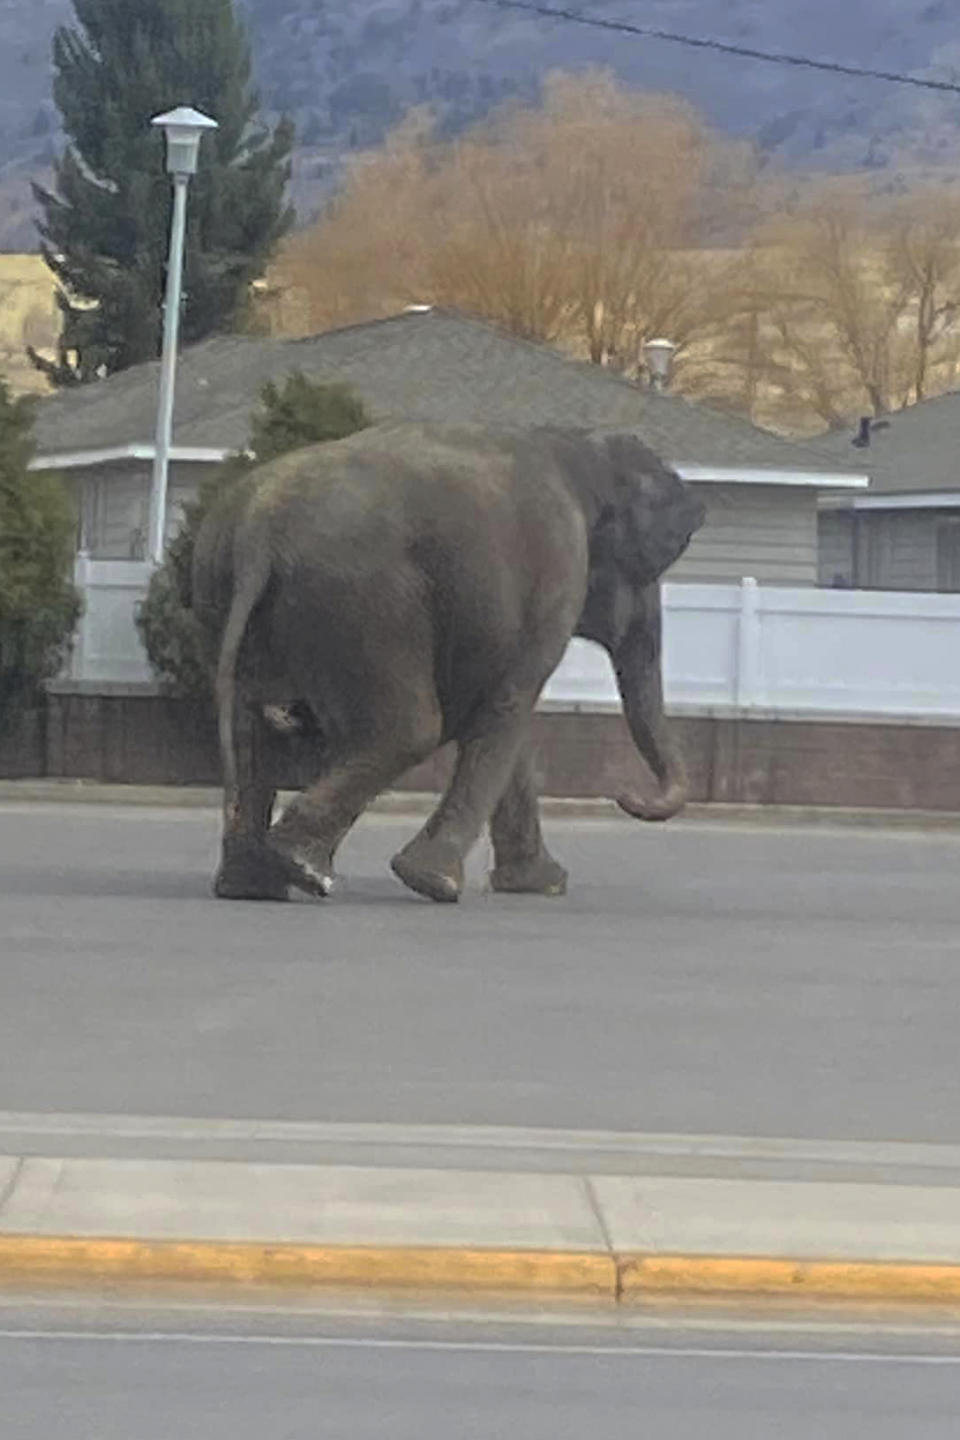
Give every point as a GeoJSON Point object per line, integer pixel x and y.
{"type": "Point", "coordinates": [347, 69]}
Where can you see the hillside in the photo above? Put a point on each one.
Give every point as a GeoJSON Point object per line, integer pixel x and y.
{"type": "Point", "coordinates": [347, 69]}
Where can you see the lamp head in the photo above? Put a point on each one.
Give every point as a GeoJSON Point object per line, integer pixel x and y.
{"type": "Point", "coordinates": [184, 129]}
{"type": "Point", "coordinates": [659, 357]}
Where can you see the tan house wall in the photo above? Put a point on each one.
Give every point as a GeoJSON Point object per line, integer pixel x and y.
{"type": "Point", "coordinates": [28, 316]}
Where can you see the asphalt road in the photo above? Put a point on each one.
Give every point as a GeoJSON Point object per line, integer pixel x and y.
{"type": "Point", "coordinates": [698, 978]}
{"type": "Point", "coordinates": [213, 1380]}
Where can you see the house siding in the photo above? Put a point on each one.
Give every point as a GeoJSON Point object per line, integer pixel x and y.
{"type": "Point", "coordinates": [122, 533]}
{"type": "Point", "coordinates": [112, 509]}
{"type": "Point", "coordinates": [768, 532]}
{"type": "Point", "coordinates": [113, 504]}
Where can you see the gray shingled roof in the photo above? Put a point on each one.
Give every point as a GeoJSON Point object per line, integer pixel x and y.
{"type": "Point", "coordinates": [431, 365]}
{"type": "Point", "coordinates": [915, 450]}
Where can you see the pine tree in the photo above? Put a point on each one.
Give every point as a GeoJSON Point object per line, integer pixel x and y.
{"type": "Point", "coordinates": [105, 225]}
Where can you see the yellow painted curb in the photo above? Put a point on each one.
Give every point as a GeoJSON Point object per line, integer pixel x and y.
{"type": "Point", "coordinates": [625, 1279]}
{"type": "Point", "coordinates": [69, 1258]}
{"type": "Point", "coordinates": [644, 1275]}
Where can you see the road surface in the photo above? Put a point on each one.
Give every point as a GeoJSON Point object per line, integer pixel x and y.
{"type": "Point", "coordinates": [85, 1376]}
{"type": "Point", "coordinates": [699, 978]}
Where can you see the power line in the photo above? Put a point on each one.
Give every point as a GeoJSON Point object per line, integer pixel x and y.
{"type": "Point", "coordinates": [773, 57]}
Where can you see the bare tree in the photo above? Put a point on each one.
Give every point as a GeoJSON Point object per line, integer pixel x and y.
{"type": "Point", "coordinates": [361, 260]}
{"type": "Point", "coordinates": [571, 221]}
{"type": "Point", "coordinates": [494, 248]}
{"type": "Point", "coordinates": [855, 305]}
{"type": "Point", "coordinates": [925, 253]}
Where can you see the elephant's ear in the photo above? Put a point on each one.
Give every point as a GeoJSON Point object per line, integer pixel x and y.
{"type": "Point", "coordinates": [650, 513]}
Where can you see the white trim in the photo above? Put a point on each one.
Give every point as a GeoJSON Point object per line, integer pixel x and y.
{"type": "Point", "coordinates": [921, 500]}
{"type": "Point", "coordinates": [704, 474]}
{"type": "Point", "coordinates": [77, 459]}
{"type": "Point", "coordinates": [750, 475]}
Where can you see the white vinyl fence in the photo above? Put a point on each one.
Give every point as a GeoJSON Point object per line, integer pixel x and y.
{"type": "Point", "coordinates": [743, 647]}
{"type": "Point", "coordinates": [726, 647]}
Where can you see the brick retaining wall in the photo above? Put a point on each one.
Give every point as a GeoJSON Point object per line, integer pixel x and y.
{"type": "Point", "coordinates": [145, 739]}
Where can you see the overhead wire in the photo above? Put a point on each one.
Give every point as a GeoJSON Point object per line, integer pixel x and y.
{"type": "Point", "coordinates": [724, 47]}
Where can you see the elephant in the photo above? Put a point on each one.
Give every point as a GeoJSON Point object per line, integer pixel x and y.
{"type": "Point", "coordinates": [374, 598]}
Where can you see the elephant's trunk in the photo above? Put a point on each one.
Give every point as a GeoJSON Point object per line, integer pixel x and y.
{"type": "Point", "coordinates": [636, 662]}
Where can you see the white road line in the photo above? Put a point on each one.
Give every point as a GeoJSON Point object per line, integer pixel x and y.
{"type": "Point", "coordinates": [478, 1347]}
{"type": "Point", "coordinates": [376, 1135]}
{"type": "Point", "coordinates": [369, 1311]}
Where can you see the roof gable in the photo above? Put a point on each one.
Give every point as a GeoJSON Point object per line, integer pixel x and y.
{"type": "Point", "coordinates": [432, 365]}
{"type": "Point", "coordinates": [913, 450]}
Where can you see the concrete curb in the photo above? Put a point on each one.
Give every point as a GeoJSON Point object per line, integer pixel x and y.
{"type": "Point", "coordinates": [617, 1280]}
{"type": "Point", "coordinates": [90, 1221]}
{"type": "Point", "coordinates": [416, 805]}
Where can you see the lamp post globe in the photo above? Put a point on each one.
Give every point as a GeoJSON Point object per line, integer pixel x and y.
{"type": "Point", "coordinates": [659, 355]}
{"type": "Point", "coordinates": [184, 129]}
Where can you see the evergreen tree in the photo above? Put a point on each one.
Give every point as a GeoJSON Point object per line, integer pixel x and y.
{"type": "Point", "coordinates": [39, 606]}
{"type": "Point", "coordinates": [105, 226]}
{"type": "Point", "coordinates": [302, 412]}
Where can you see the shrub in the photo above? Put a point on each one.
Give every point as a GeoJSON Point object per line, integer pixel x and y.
{"type": "Point", "coordinates": [297, 413]}
{"type": "Point", "coordinates": [39, 606]}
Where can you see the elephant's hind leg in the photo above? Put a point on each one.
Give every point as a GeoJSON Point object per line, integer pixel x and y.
{"type": "Point", "coordinates": [248, 870]}
{"type": "Point", "coordinates": [523, 864]}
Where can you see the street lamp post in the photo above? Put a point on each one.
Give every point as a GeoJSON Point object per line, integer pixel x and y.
{"type": "Point", "coordinates": [184, 129]}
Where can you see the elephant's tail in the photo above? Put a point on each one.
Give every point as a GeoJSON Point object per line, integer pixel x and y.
{"type": "Point", "coordinates": [250, 583]}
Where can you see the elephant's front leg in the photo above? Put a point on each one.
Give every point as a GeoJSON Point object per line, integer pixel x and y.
{"type": "Point", "coordinates": [248, 870]}
{"type": "Point", "coordinates": [404, 727]}
{"type": "Point", "coordinates": [523, 864]}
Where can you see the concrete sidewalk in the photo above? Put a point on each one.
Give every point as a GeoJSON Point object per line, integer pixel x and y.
{"type": "Point", "coordinates": [420, 805]}
{"type": "Point", "coordinates": [614, 1237]}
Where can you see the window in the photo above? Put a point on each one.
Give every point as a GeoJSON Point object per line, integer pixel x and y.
{"type": "Point", "coordinates": [877, 550]}
{"type": "Point", "coordinates": [115, 516]}
{"type": "Point", "coordinates": [897, 550]}
{"type": "Point", "coordinates": [835, 549]}
{"type": "Point", "coordinates": [948, 553]}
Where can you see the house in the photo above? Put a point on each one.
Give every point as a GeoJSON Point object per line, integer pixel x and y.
{"type": "Point", "coordinates": [904, 534]}
{"type": "Point", "coordinates": [761, 492]}
{"type": "Point", "coordinates": [750, 670]}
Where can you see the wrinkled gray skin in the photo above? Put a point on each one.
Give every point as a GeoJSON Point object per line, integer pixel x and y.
{"type": "Point", "coordinates": [374, 598]}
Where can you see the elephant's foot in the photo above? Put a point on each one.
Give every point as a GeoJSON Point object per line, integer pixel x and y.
{"type": "Point", "coordinates": [306, 867]}
{"type": "Point", "coordinates": [249, 871]}
{"type": "Point", "coordinates": [540, 876]}
{"type": "Point", "coordinates": [306, 862]}
{"type": "Point", "coordinates": [430, 867]}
